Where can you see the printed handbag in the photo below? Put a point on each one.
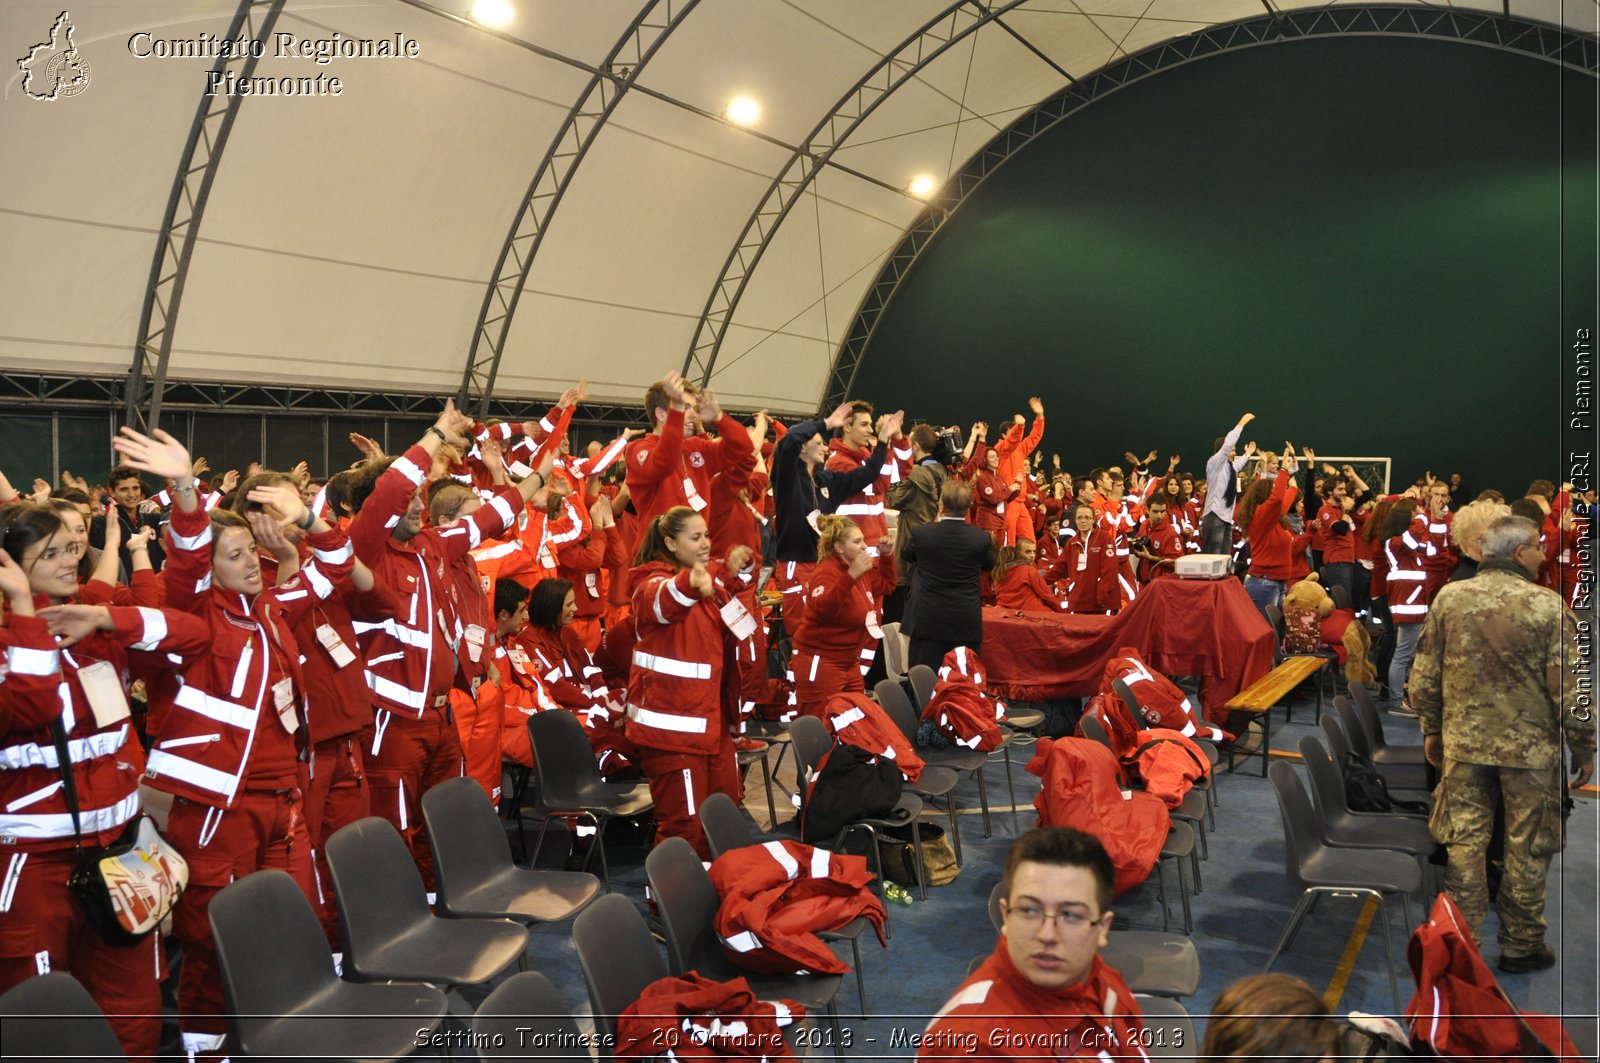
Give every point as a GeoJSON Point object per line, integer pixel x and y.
{"type": "Point", "coordinates": [130, 886]}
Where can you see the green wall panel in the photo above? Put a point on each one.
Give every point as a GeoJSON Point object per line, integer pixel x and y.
{"type": "Point", "coordinates": [1378, 245]}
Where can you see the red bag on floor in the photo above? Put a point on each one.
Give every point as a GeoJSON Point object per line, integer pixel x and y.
{"type": "Point", "coordinates": [1460, 1011]}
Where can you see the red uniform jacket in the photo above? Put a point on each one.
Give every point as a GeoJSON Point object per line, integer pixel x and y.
{"type": "Point", "coordinates": [1336, 545]}
{"type": "Point", "coordinates": [336, 686]}
{"type": "Point", "coordinates": [1082, 789]}
{"type": "Point", "coordinates": [1270, 542]}
{"type": "Point", "coordinates": [693, 1017]}
{"type": "Point", "coordinates": [240, 715]}
{"type": "Point", "coordinates": [842, 614]}
{"type": "Point", "coordinates": [1405, 557]}
{"type": "Point", "coordinates": [668, 470]}
{"type": "Point", "coordinates": [776, 897]}
{"type": "Point", "coordinates": [1024, 588]}
{"type": "Point", "coordinates": [998, 1014]}
{"type": "Point", "coordinates": [866, 506]}
{"type": "Point", "coordinates": [411, 658]}
{"type": "Point", "coordinates": [684, 685]}
{"type": "Point", "coordinates": [990, 495]}
{"type": "Point", "coordinates": [961, 707]}
{"type": "Point", "coordinates": [42, 687]}
{"type": "Point", "coordinates": [1163, 702]}
{"type": "Point", "coordinates": [859, 721]}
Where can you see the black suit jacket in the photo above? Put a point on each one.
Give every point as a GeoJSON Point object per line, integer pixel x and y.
{"type": "Point", "coordinates": [944, 604]}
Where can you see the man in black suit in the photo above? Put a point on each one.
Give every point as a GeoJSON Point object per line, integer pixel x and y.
{"type": "Point", "coordinates": [944, 609]}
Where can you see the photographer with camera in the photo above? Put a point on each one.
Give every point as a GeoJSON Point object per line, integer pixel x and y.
{"type": "Point", "coordinates": [1158, 542]}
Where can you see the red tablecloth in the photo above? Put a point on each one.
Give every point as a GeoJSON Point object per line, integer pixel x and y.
{"type": "Point", "coordinates": [1208, 628]}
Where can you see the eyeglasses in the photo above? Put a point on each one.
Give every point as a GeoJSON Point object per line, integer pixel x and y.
{"type": "Point", "coordinates": [1033, 917]}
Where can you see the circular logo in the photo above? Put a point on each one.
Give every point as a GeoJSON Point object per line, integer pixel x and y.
{"type": "Point", "coordinates": [68, 73]}
{"type": "Point", "coordinates": [697, 459]}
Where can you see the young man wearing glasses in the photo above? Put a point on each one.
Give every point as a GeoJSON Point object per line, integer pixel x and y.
{"type": "Point", "coordinates": [1044, 992]}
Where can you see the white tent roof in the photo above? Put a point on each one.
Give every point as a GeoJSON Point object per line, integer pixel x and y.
{"type": "Point", "coordinates": [348, 242]}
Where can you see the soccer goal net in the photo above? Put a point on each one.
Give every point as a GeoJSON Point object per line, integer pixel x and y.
{"type": "Point", "coordinates": [1374, 472]}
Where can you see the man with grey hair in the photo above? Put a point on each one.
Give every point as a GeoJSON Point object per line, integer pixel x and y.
{"type": "Point", "coordinates": [1495, 684]}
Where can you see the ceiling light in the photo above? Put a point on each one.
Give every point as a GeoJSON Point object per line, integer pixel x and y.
{"type": "Point", "coordinates": [497, 14]}
{"type": "Point", "coordinates": [742, 110]}
{"type": "Point", "coordinates": [923, 185]}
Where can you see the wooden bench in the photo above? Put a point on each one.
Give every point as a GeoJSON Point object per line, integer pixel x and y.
{"type": "Point", "coordinates": [1267, 693]}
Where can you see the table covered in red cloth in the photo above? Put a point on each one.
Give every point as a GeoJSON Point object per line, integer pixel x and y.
{"type": "Point", "coordinates": [1208, 628]}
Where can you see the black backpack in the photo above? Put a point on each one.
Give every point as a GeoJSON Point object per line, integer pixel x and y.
{"type": "Point", "coordinates": [1365, 790]}
{"type": "Point", "coordinates": [847, 784]}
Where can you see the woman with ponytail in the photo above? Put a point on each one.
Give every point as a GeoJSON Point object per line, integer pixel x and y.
{"type": "Point", "coordinates": [839, 630]}
{"type": "Point", "coordinates": [684, 685]}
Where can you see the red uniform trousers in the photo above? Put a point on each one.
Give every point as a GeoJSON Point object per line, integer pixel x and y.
{"type": "Point", "coordinates": [406, 757]}
{"type": "Point", "coordinates": [337, 795]}
{"type": "Point", "coordinates": [42, 929]}
{"type": "Point", "coordinates": [1019, 521]}
{"type": "Point", "coordinates": [264, 828]}
{"type": "Point", "coordinates": [817, 679]}
{"type": "Point", "coordinates": [679, 785]}
{"type": "Point", "coordinates": [479, 722]}
{"type": "Point", "coordinates": [791, 578]}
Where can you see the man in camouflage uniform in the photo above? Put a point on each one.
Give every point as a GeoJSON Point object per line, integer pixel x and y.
{"type": "Point", "coordinates": [1494, 686]}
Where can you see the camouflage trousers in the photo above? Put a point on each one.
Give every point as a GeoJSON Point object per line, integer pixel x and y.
{"type": "Point", "coordinates": [1463, 819]}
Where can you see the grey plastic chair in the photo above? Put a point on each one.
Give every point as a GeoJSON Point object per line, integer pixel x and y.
{"type": "Point", "coordinates": [923, 679]}
{"type": "Point", "coordinates": [1372, 724]}
{"type": "Point", "coordinates": [1171, 1030]}
{"type": "Point", "coordinates": [1317, 869]}
{"type": "Point", "coordinates": [389, 932]}
{"type": "Point", "coordinates": [727, 829]}
{"type": "Point", "coordinates": [895, 648]}
{"type": "Point", "coordinates": [619, 960]}
{"type": "Point", "coordinates": [54, 1017]}
{"type": "Point", "coordinates": [1399, 774]}
{"type": "Point", "coordinates": [1343, 828]}
{"type": "Point", "coordinates": [472, 862]}
{"type": "Point", "coordinates": [811, 742]}
{"type": "Point", "coordinates": [278, 983]}
{"type": "Point", "coordinates": [687, 903]}
{"type": "Point", "coordinates": [1166, 965]}
{"type": "Point", "coordinates": [935, 781]}
{"type": "Point", "coordinates": [526, 1018]}
{"type": "Point", "coordinates": [567, 783]}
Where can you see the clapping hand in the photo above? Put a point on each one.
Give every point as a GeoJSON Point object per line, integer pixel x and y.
{"type": "Point", "coordinates": [700, 580]}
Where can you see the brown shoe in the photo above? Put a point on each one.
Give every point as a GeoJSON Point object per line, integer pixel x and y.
{"type": "Point", "coordinates": [1542, 960]}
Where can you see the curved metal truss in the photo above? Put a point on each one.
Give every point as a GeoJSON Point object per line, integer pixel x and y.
{"type": "Point", "coordinates": [147, 379]}
{"type": "Point", "coordinates": [1550, 43]}
{"type": "Point", "coordinates": [903, 63]}
{"type": "Point", "coordinates": [649, 29]}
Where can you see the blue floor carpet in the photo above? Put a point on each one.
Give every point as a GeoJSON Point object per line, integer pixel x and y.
{"type": "Point", "coordinates": [1245, 903]}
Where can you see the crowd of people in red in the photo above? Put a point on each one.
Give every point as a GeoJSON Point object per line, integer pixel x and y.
{"type": "Point", "coordinates": [283, 655]}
